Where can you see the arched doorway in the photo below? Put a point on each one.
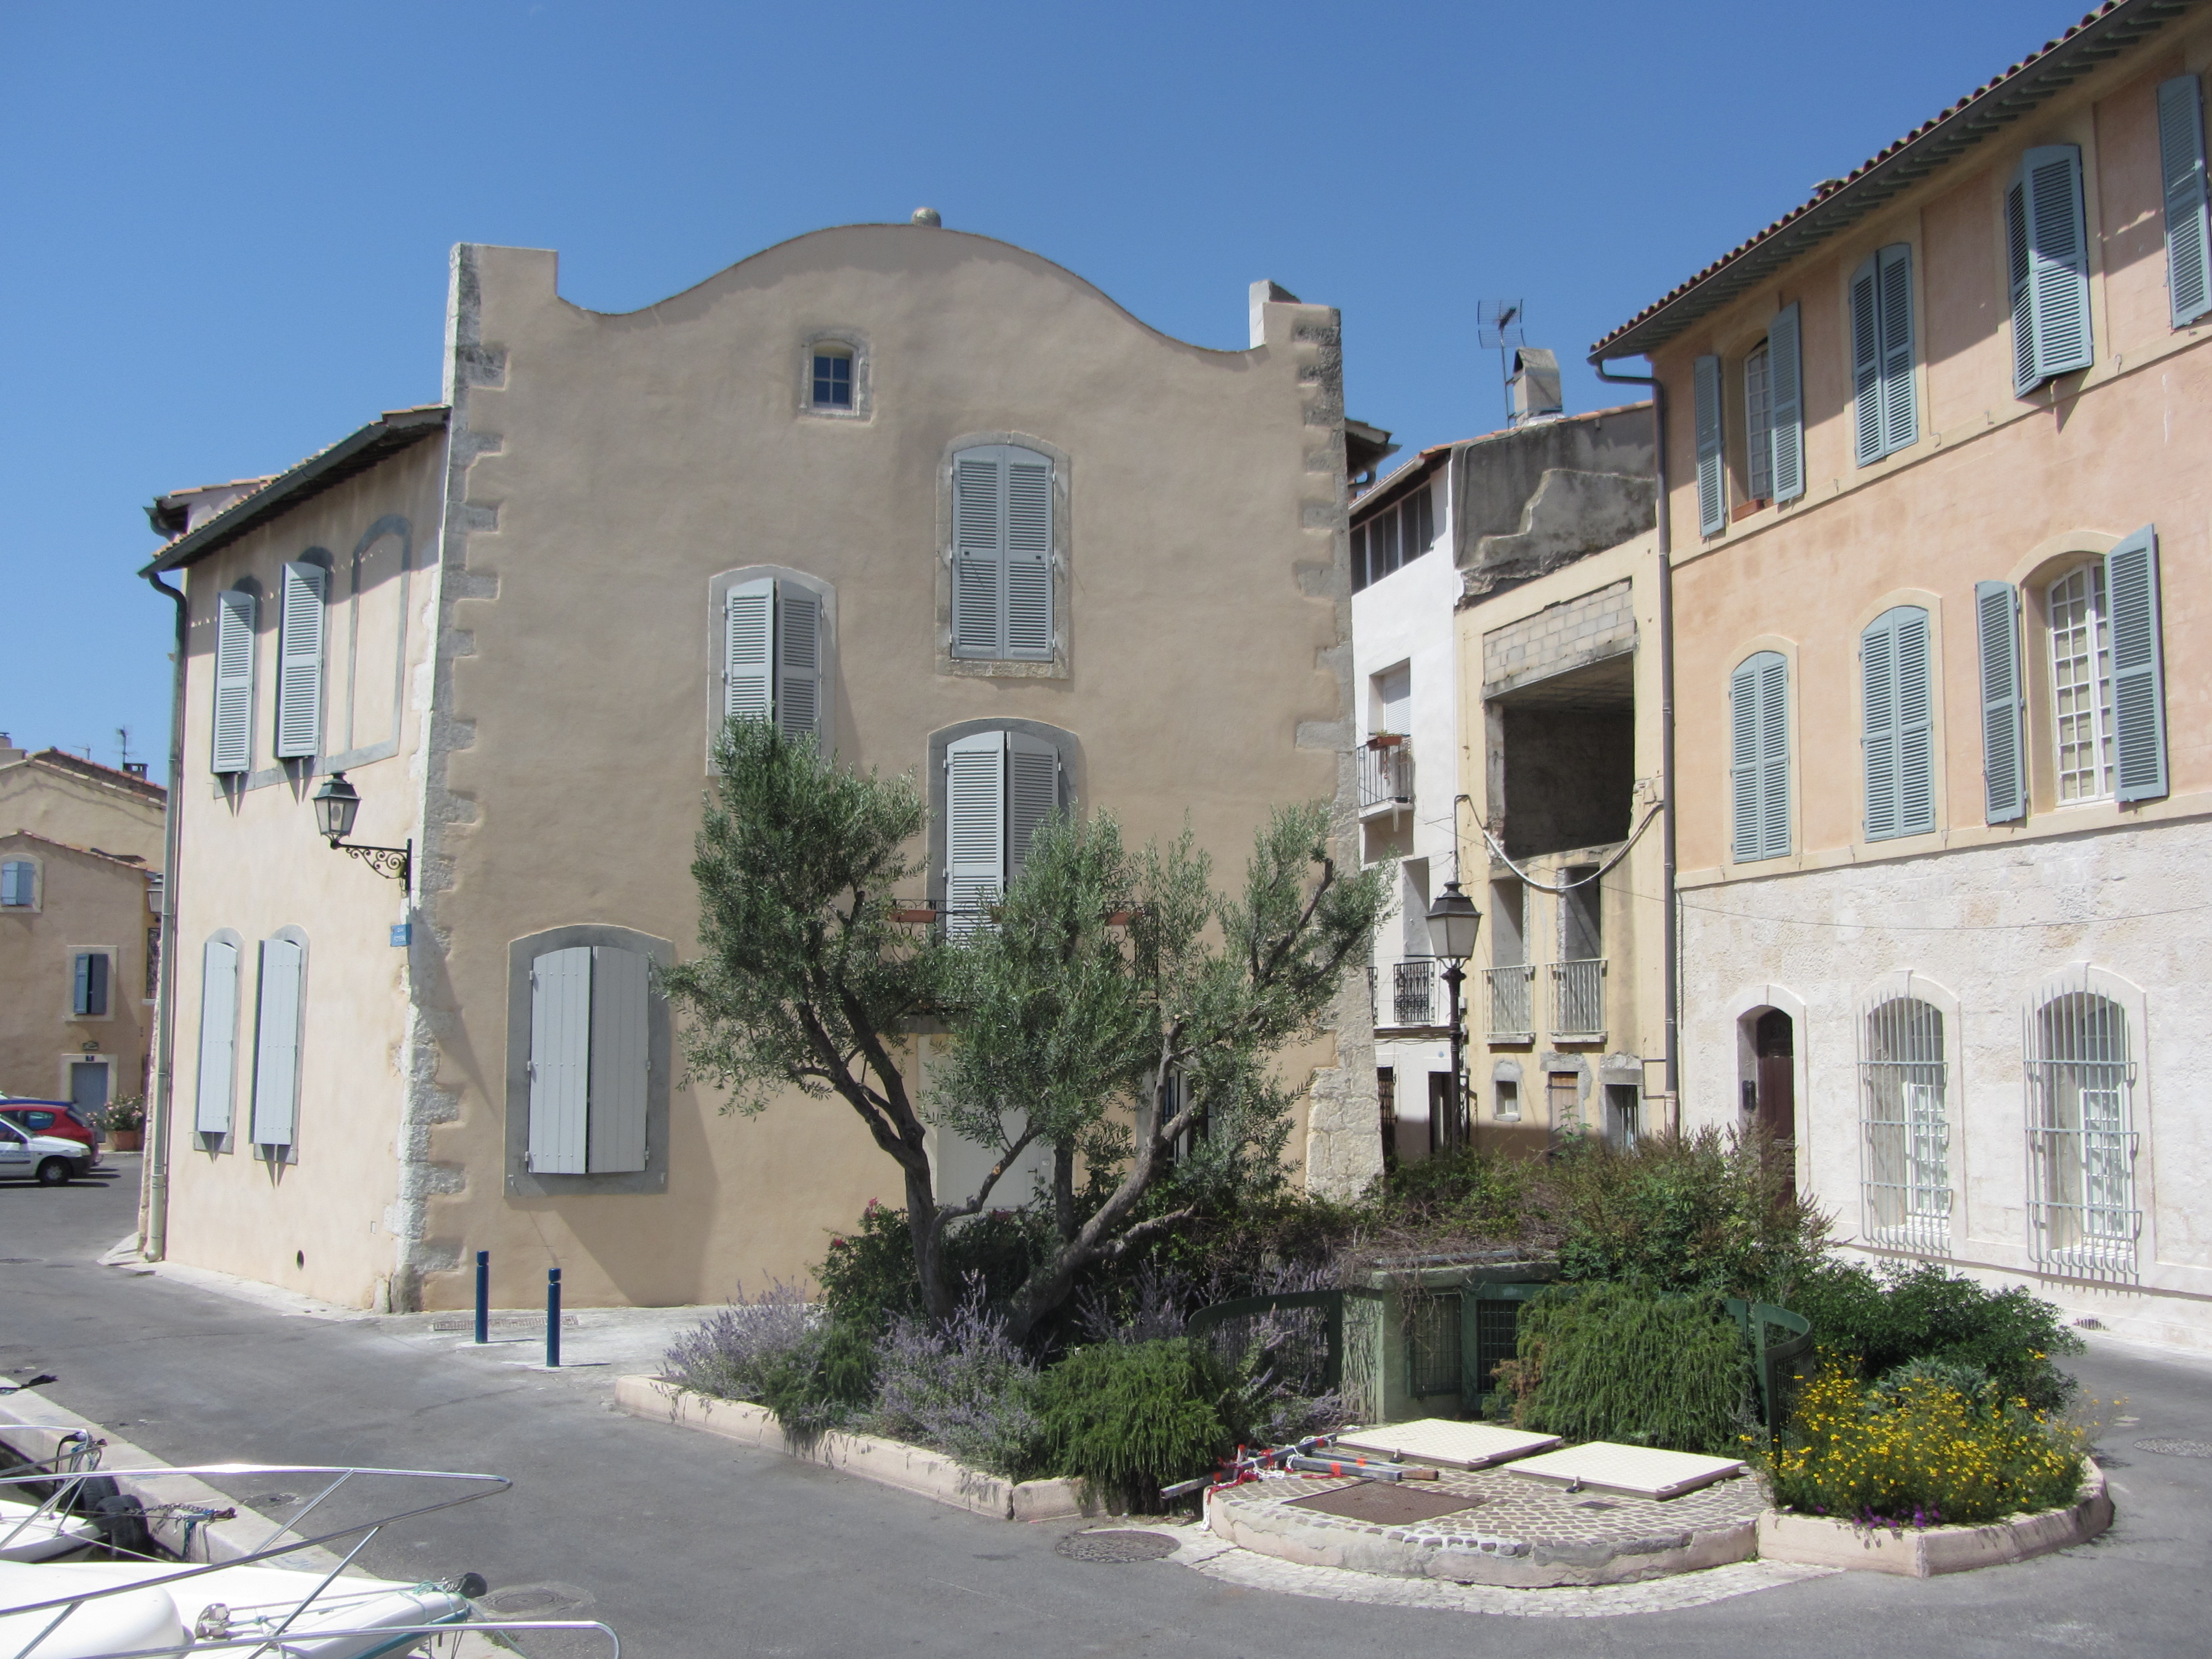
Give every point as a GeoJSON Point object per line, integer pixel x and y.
{"type": "Point", "coordinates": [1770, 1091]}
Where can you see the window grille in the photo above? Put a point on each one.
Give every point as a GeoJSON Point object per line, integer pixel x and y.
{"type": "Point", "coordinates": [1905, 1133]}
{"type": "Point", "coordinates": [2081, 684]}
{"type": "Point", "coordinates": [1432, 1344]}
{"type": "Point", "coordinates": [2082, 1215]}
{"type": "Point", "coordinates": [1510, 1015]}
{"type": "Point", "coordinates": [1414, 998]}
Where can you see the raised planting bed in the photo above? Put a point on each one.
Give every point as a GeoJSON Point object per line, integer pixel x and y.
{"type": "Point", "coordinates": [1816, 1541]}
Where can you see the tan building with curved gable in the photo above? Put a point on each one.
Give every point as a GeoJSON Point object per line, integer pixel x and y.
{"type": "Point", "coordinates": [925, 494]}
{"type": "Point", "coordinates": [1938, 445]}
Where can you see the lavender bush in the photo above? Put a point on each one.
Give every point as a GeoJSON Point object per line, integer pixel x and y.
{"type": "Point", "coordinates": [963, 1387]}
{"type": "Point", "coordinates": [734, 1354]}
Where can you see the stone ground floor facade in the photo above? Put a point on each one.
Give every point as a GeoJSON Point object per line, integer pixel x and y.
{"type": "Point", "coordinates": [1991, 1057]}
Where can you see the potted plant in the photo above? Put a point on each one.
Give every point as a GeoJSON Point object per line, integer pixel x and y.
{"type": "Point", "coordinates": [123, 1119]}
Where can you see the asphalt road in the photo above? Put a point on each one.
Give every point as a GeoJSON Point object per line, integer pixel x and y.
{"type": "Point", "coordinates": [691, 1546]}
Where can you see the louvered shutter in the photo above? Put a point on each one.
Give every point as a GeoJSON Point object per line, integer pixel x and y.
{"type": "Point", "coordinates": [81, 984]}
{"type": "Point", "coordinates": [1900, 399]}
{"type": "Point", "coordinates": [1032, 793]}
{"type": "Point", "coordinates": [1774, 755]}
{"type": "Point", "coordinates": [2138, 683]}
{"type": "Point", "coordinates": [2004, 752]}
{"type": "Point", "coordinates": [1786, 389]}
{"type": "Point", "coordinates": [800, 709]}
{"type": "Point", "coordinates": [560, 1061]}
{"type": "Point", "coordinates": [218, 1036]}
{"type": "Point", "coordinates": [276, 1044]}
{"type": "Point", "coordinates": [748, 654]}
{"type": "Point", "coordinates": [234, 683]}
{"type": "Point", "coordinates": [1744, 771]}
{"type": "Point", "coordinates": [1916, 727]}
{"type": "Point", "coordinates": [979, 554]}
{"type": "Point", "coordinates": [1029, 555]}
{"type": "Point", "coordinates": [2181, 159]}
{"type": "Point", "coordinates": [300, 663]}
{"type": "Point", "coordinates": [619, 988]}
{"type": "Point", "coordinates": [1712, 491]}
{"type": "Point", "coordinates": [975, 827]}
{"type": "Point", "coordinates": [1878, 677]}
{"type": "Point", "coordinates": [17, 881]}
{"type": "Point", "coordinates": [2047, 245]}
{"type": "Point", "coordinates": [1866, 362]}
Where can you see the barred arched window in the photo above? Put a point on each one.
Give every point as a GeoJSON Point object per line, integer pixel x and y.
{"type": "Point", "coordinates": [1905, 1126]}
{"type": "Point", "coordinates": [2080, 1127]}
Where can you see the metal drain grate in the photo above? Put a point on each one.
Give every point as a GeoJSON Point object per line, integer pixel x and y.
{"type": "Point", "coordinates": [2176, 1448]}
{"type": "Point", "coordinates": [1115, 1546]}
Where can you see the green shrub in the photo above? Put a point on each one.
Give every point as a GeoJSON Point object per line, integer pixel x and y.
{"type": "Point", "coordinates": [1127, 1419]}
{"type": "Point", "coordinates": [1610, 1362]}
{"type": "Point", "coordinates": [1482, 1194]}
{"type": "Point", "coordinates": [1685, 1212]}
{"type": "Point", "coordinates": [821, 1383]}
{"type": "Point", "coordinates": [1922, 1313]}
{"type": "Point", "coordinates": [868, 1279]}
{"type": "Point", "coordinates": [1920, 1453]}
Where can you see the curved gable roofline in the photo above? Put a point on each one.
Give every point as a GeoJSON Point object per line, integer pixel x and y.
{"type": "Point", "coordinates": [1038, 261]}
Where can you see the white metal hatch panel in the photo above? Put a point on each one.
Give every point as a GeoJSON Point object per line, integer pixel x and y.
{"type": "Point", "coordinates": [1446, 1443]}
{"type": "Point", "coordinates": [1641, 1471]}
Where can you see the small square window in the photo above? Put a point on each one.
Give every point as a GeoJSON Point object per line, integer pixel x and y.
{"type": "Point", "coordinates": [19, 885]}
{"type": "Point", "coordinates": [833, 380]}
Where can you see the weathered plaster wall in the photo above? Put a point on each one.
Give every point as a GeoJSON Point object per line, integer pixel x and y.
{"type": "Point", "coordinates": [85, 903]}
{"type": "Point", "coordinates": [52, 801]}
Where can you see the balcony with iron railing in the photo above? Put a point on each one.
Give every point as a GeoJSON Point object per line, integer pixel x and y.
{"type": "Point", "coordinates": [1578, 1000]}
{"type": "Point", "coordinates": [1511, 1001]}
{"type": "Point", "coordinates": [1385, 773]}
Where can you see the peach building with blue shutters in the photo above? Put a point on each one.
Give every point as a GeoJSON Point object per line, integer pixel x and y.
{"type": "Point", "coordinates": [912, 492]}
{"type": "Point", "coordinates": [1939, 471]}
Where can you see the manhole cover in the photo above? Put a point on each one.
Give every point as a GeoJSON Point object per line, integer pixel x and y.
{"type": "Point", "coordinates": [1387, 1504]}
{"type": "Point", "coordinates": [2176, 1448]}
{"type": "Point", "coordinates": [1116, 1546]}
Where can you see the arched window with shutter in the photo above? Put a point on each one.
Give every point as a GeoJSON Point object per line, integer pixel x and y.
{"type": "Point", "coordinates": [588, 1061]}
{"type": "Point", "coordinates": [1759, 770]}
{"type": "Point", "coordinates": [1898, 706]}
{"type": "Point", "coordinates": [1905, 1126]}
{"type": "Point", "coordinates": [775, 641]}
{"type": "Point", "coordinates": [994, 784]}
{"type": "Point", "coordinates": [1002, 501]}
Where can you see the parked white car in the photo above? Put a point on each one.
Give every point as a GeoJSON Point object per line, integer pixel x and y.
{"type": "Point", "coordinates": [48, 1159]}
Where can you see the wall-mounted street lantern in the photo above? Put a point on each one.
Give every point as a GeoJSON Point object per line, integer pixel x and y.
{"type": "Point", "coordinates": [336, 805]}
{"type": "Point", "coordinates": [1454, 922]}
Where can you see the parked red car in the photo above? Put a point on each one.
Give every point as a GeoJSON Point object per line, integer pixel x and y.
{"type": "Point", "coordinates": [59, 1118]}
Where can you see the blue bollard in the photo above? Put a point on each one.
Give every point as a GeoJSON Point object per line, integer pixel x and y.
{"type": "Point", "coordinates": [484, 1295]}
{"type": "Point", "coordinates": [552, 1319]}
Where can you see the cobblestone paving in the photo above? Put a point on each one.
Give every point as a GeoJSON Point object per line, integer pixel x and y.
{"type": "Point", "coordinates": [1217, 1559]}
{"type": "Point", "coordinates": [1511, 1515]}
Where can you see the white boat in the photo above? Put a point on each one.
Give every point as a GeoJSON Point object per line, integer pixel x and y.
{"type": "Point", "coordinates": [30, 1531]}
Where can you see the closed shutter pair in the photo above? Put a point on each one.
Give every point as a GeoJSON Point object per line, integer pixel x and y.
{"type": "Point", "coordinates": [589, 1060]}
{"type": "Point", "coordinates": [999, 788]}
{"type": "Point", "coordinates": [773, 657]}
{"type": "Point", "coordinates": [19, 884]}
{"type": "Point", "coordinates": [1780, 436]}
{"type": "Point", "coordinates": [1002, 553]}
{"type": "Point", "coordinates": [1898, 708]}
{"type": "Point", "coordinates": [1758, 721]}
{"type": "Point", "coordinates": [1884, 402]}
{"type": "Point", "coordinates": [276, 1041]}
{"type": "Point", "coordinates": [2135, 631]}
{"type": "Point", "coordinates": [299, 671]}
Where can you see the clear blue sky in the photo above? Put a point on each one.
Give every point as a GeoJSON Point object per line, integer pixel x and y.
{"type": "Point", "coordinates": [227, 225]}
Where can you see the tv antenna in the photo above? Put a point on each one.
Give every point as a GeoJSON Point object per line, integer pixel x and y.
{"type": "Point", "coordinates": [1498, 322]}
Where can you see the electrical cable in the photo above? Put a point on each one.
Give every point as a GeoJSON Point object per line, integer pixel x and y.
{"type": "Point", "coordinates": [1619, 853]}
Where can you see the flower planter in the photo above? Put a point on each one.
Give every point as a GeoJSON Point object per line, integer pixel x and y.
{"type": "Point", "coordinates": [126, 1140]}
{"type": "Point", "coordinates": [1815, 1540]}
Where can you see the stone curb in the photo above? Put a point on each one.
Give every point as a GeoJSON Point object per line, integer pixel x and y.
{"type": "Point", "coordinates": [1815, 1540]}
{"type": "Point", "coordinates": [888, 1462]}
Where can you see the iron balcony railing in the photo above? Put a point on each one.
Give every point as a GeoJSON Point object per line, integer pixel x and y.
{"type": "Point", "coordinates": [1511, 994]}
{"type": "Point", "coordinates": [1579, 998]}
{"type": "Point", "coordinates": [1386, 772]}
{"type": "Point", "coordinates": [1417, 994]}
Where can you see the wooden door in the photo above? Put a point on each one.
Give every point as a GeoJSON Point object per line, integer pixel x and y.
{"type": "Point", "coordinates": [1776, 1043]}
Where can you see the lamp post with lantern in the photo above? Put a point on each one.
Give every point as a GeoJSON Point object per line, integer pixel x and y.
{"type": "Point", "coordinates": [1454, 922]}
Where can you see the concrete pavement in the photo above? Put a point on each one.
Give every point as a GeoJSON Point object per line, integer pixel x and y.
{"type": "Point", "coordinates": [694, 1547]}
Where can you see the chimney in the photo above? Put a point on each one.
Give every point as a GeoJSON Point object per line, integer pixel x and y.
{"type": "Point", "coordinates": [8, 749]}
{"type": "Point", "coordinates": [1534, 387]}
{"type": "Point", "coordinates": [135, 768]}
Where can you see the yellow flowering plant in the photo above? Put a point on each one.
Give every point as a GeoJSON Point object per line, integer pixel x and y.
{"type": "Point", "coordinates": [1919, 1451]}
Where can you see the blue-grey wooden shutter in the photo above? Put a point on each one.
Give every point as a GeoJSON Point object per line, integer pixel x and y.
{"type": "Point", "coordinates": [89, 995]}
{"type": "Point", "coordinates": [18, 885]}
{"type": "Point", "coordinates": [2138, 672]}
{"type": "Point", "coordinates": [1032, 793]}
{"type": "Point", "coordinates": [2004, 741]}
{"type": "Point", "coordinates": [1900, 399]}
{"type": "Point", "coordinates": [619, 1060]}
{"type": "Point", "coordinates": [1743, 769]}
{"type": "Point", "coordinates": [276, 1044]}
{"type": "Point", "coordinates": [1029, 555]}
{"type": "Point", "coordinates": [1900, 740]}
{"type": "Point", "coordinates": [2188, 236]}
{"type": "Point", "coordinates": [300, 663]}
{"type": "Point", "coordinates": [975, 827]}
{"type": "Point", "coordinates": [1712, 483]}
{"type": "Point", "coordinates": [2047, 246]}
{"type": "Point", "coordinates": [801, 707]}
{"type": "Point", "coordinates": [560, 1061]}
{"type": "Point", "coordinates": [1866, 362]}
{"type": "Point", "coordinates": [1758, 773]}
{"type": "Point", "coordinates": [748, 651]}
{"type": "Point", "coordinates": [218, 1036]}
{"type": "Point", "coordinates": [1785, 380]}
{"type": "Point", "coordinates": [979, 554]}
{"type": "Point", "coordinates": [232, 748]}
